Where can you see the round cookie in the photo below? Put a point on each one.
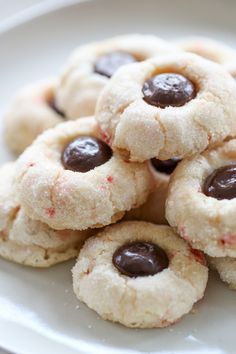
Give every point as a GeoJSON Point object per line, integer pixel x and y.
{"type": "Point", "coordinates": [201, 201]}
{"type": "Point", "coordinates": [207, 48]}
{"type": "Point", "coordinates": [139, 274]}
{"type": "Point", "coordinates": [226, 267]}
{"type": "Point", "coordinates": [32, 111]}
{"type": "Point", "coordinates": [30, 242]}
{"type": "Point", "coordinates": [171, 105]}
{"type": "Point", "coordinates": [90, 66]}
{"type": "Point", "coordinates": [33, 243]}
{"type": "Point", "coordinates": [74, 180]}
{"type": "Point", "coordinates": [153, 210]}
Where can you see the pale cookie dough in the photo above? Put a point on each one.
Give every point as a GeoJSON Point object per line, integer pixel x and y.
{"type": "Point", "coordinates": [33, 243]}
{"type": "Point", "coordinates": [141, 130]}
{"type": "Point", "coordinates": [64, 198]}
{"type": "Point", "coordinates": [9, 204]}
{"type": "Point", "coordinates": [207, 222]}
{"type": "Point", "coordinates": [207, 48]}
{"type": "Point", "coordinates": [30, 113]}
{"type": "Point", "coordinates": [226, 267]}
{"type": "Point", "coordinates": [30, 242]}
{"type": "Point", "coordinates": [153, 210]}
{"type": "Point", "coordinates": [80, 85]}
{"type": "Point", "coordinates": [146, 301]}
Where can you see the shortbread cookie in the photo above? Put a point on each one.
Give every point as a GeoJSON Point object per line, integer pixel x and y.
{"type": "Point", "coordinates": [32, 111]}
{"type": "Point", "coordinates": [171, 105]}
{"type": "Point", "coordinates": [226, 267]}
{"type": "Point", "coordinates": [207, 48]}
{"type": "Point", "coordinates": [27, 241]}
{"type": "Point", "coordinates": [201, 202]}
{"type": "Point", "coordinates": [139, 274]}
{"type": "Point", "coordinates": [153, 210]}
{"type": "Point", "coordinates": [89, 68]}
{"type": "Point", "coordinates": [35, 244]}
{"type": "Point", "coordinates": [71, 179]}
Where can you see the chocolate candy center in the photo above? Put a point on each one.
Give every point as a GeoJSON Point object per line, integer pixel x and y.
{"type": "Point", "coordinates": [107, 64]}
{"type": "Point", "coordinates": [85, 153]}
{"type": "Point", "coordinates": [165, 166]}
{"type": "Point", "coordinates": [139, 259]}
{"type": "Point", "coordinates": [168, 89]}
{"type": "Point", "coordinates": [221, 184]}
{"type": "Point", "coordinates": [53, 106]}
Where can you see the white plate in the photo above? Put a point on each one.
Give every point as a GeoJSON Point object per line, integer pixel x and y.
{"type": "Point", "coordinates": [38, 312]}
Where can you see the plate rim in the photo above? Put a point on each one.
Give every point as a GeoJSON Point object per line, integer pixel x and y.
{"type": "Point", "coordinates": [34, 12]}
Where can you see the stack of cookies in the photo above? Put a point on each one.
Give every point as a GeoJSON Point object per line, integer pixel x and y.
{"type": "Point", "coordinates": [145, 145]}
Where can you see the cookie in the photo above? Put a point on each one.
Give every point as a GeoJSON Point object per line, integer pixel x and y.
{"type": "Point", "coordinates": [210, 49]}
{"type": "Point", "coordinates": [90, 67]}
{"type": "Point", "coordinates": [201, 202]}
{"type": "Point", "coordinates": [32, 111]}
{"type": "Point", "coordinates": [207, 48]}
{"type": "Point", "coordinates": [9, 203]}
{"type": "Point", "coordinates": [29, 242]}
{"type": "Point", "coordinates": [226, 267]}
{"type": "Point", "coordinates": [33, 243]}
{"type": "Point", "coordinates": [171, 105]}
{"type": "Point", "coordinates": [139, 274]}
{"type": "Point", "coordinates": [153, 210]}
{"type": "Point", "coordinates": [70, 179]}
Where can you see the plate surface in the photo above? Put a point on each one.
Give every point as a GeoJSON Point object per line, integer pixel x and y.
{"type": "Point", "coordinates": [38, 311]}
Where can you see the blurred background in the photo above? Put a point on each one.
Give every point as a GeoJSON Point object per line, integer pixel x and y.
{"type": "Point", "coordinates": [13, 7]}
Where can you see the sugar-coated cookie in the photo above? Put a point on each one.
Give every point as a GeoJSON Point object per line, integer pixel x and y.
{"type": "Point", "coordinates": [9, 204]}
{"type": "Point", "coordinates": [171, 105]}
{"type": "Point", "coordinates": [139, 274]}
{"type": "Point", "coordinates": [207, 48]}
{"type": "Point", "coordinates": [153, 210]}
{"type": "Point", "coordinates": [226, 267]}
{"type": "Point", "coordinates": [70, 179]}
{"type": "Point", "coordinates": [33, 243]}
{"type": "Point", "coordinates": [201, 203]}
{"type": "Point", "coordinates": [90, 66]}
{"type": "Point", "coordinates": [32, 111]}
{"type": "Point", "coordinates": [28, 241]}
{"type": "Point", "coordinates": [210, 49]}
